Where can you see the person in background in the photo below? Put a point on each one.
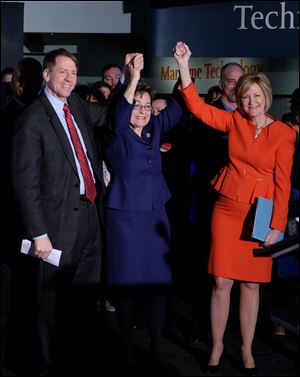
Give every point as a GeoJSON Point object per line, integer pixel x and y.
{"type": "Point", "coordinates": [17, 273]}
{"type": "Point", "coordinates": [7, 74]}
{"type": "Point", "coordinates": [216, 141]}
{"type": "Point", "coordinates": [230, 74]}
{"type": "Point", "coordinates": [111, 74]}
{"type": "Point", "coordinates": [103, 87]}
{"type": "Point", "coordinates": [57, 181]}
{"type": "Point", "coordinates": [159, 102]}
{"type": "Point", "coordinates": [6, 93]}
{"type": "Point", "coordinates": [292, 119]}
{"type": "Point", "coordinates": [100, 94]}
{"type": "Point", "coordinates": [138, 234]}
{"type": "Point", "coordinates": [96, 99]}
{"type": "Point", "coordinates": [282, 286]}
{"type": "Point", "coordinates": [169, 151]}
{"type": "Point", "coordinates": [260, 161]}
{"type": "Point", "coordinates": [84, 91]}
{"type": "Point", "coordinates": [213, 94]}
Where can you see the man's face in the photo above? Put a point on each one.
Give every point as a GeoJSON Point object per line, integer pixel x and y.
{"type": "Point", "coordinates": [228, 82]}
{"type": "Point", "coordinates": [62, 78]}
{"type": "Point", "coordinates": [158, 105]}
{"type": "Point", "coordinates": [16, 87]}
{"type": "Point", "coordinates": [112, 76]}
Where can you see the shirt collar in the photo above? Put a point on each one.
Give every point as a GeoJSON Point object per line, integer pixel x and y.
{"type": "Point", "coordinates": [55, 102]}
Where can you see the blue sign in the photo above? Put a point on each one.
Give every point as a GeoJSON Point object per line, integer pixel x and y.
{"type": "Point", "coordinates": [242, 28]}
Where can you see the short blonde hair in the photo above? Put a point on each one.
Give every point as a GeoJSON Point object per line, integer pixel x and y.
{"type": "Point", "coordinates": [249, 79]}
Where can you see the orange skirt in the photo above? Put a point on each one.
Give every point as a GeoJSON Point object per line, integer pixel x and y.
{"type": "Point", "coordinates": [231, 253]}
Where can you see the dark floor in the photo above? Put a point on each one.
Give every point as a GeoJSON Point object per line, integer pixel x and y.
{"type": "Point", "coordinates": [274, 355]}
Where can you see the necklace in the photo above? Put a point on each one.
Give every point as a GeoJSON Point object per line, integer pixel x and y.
{"type": "Point", "coordinates": [259, 129]}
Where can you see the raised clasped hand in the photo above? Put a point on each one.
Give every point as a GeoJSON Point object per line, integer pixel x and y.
{"type": "Point", "coordinates": [138, 62]}
{"type": "Point", "coordinates": [134, 60]}
{"type": "Point", "coordinates": [134, 63]}
{"type": "Point", "coordinates": [182, 52]}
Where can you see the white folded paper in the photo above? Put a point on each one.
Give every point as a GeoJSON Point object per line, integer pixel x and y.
{"type": "Point", "coordinates": [27, 247]}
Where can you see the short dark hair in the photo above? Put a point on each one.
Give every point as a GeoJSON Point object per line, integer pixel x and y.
{"type": "Point", "coordinates": [210, 93]}
{"type": "Point", "coordinates": [166, 97]}
{"type": "Point", "coordinates": [30, 76]}
{"type": "Point", "coordinates": [49, 60]}
{"type": "Point", "coordinates": [142, 88]}
{"type": "Point", "coordinates": [100, 84]}
{"type": "Point", "coordinates": [29, 67]}
{"type": "Point", "coordinates": [295, 101]}
{"type": "Point", "coordinates": [295, 96]}
{"type": "Point", "coordinates": [109, 66]}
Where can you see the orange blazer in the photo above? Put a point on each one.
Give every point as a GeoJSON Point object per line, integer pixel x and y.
{"type": "Point", "coordinates": [257, 167]}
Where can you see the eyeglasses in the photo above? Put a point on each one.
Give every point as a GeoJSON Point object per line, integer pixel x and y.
{"type": "Point", "coordinates": [138, 106]}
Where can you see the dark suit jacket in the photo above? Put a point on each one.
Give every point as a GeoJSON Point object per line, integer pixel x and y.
{"type": "Point", "coordinates": [45, 178]}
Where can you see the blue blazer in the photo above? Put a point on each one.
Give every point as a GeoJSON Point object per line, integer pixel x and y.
{"type": "Point", "coordinates": [134, 162]}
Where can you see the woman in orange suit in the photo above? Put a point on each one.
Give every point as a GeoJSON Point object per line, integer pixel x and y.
{"type": "Point", "coordinates": [260, 160]}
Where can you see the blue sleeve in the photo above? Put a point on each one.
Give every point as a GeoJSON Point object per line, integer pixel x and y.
{"type": "Point", "coordinates": [122, 115]}
{"type": "Point", "coordinates": [169, 117]}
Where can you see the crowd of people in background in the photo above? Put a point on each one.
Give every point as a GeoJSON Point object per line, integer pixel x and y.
{"type": "Point", "coordinates": [148, 195]}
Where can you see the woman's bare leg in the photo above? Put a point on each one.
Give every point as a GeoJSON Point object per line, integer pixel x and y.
{"type": "Point", "coordinates": [249, 304]}
{"type": "Point", "coordinates": [220, 303]}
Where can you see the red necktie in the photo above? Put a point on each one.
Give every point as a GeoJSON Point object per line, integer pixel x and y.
{"type": "Point", "coordinates": [90, 189]}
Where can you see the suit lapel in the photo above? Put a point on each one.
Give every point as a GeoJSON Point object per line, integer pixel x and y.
{"type": "Point", "coordinates": [59, 130]}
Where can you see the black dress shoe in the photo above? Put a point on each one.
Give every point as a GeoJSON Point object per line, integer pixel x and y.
{"type": "Point", "coordinates": [44, 371]}
{"type": "Point", "coordinates": [212, 369]}
{"type": "Point", "coordinates": [249, 371]}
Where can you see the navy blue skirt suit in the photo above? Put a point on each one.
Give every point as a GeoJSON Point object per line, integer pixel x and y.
{"type": "Point", "coordinates": [138, 231]}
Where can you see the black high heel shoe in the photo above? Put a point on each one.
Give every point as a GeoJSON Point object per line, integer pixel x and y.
{"type": "Point", "coordinates": [249, 371]}
{"type": "Point", "coordinates": [212, 369]}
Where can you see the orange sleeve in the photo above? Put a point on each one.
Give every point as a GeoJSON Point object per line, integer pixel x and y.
{"type": "Point", "coordinates": [210, 115]}
{"type": "Point", "coordinates": [282, 181]}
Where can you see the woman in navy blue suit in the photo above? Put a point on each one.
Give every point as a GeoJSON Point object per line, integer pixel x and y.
{"type": "Point", "coordinates": [138, 232]}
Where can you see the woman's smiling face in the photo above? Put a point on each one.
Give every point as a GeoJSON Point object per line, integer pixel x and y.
{"type": "Point", "coordinates": [141, 113]}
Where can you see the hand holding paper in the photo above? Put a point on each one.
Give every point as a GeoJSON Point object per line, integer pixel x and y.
{"type": "Point", "coordinates": [27, 247]}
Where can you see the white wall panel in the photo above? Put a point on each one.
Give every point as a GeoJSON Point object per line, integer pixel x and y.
{"type": "Point", "coordinates": [75, 17]}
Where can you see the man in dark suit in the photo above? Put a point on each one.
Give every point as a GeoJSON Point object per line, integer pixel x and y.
{"type": "Point", "coordinates": [59, 210]}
